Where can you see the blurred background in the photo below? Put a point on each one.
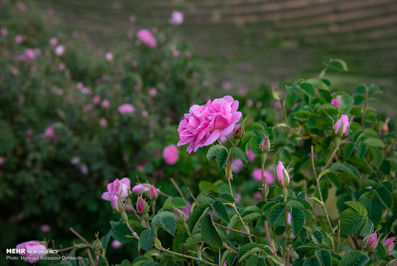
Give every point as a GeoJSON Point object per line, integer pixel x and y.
{"type": "Point", "coordinates": [248, 42]}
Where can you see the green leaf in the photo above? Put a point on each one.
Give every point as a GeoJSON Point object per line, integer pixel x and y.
{"type": "Point", "coordinates": [219, 153]}
{"type": "Point", "coordinates": [209, 233]}
{"type": "Point", "coordinates": [236, 152]}
{"type": "Point", "coordinates": [178, 202]}
{"type": "Point", "coordinates": [324, 257]}
{"type": "Point", "coordinates": [308, 89]}
{"type": "Point", "coordinates": [196, 215]}
{"type": "Point", "coordinates": [146, 239]}
{"type": "Point", "coordinates": [354, 258]}
{"type": "Point", "coordinates": [367, 228]}
{"type": "Point", "coordinates": [358, 207]}
{"type": "Point", "coordinates": [121, 232]}
{"type": "Point", "coordinates": [351, 222]}
{"type": "Point", "coordinates": [385, 196]}
{"type": "Point", "coordinates": [348, 150]}
{"type": "Point", "coordinates": [297, 220]}
{"type": "Point", "coordinates": [220, 211]}
{"type": "Point", "coordinates": [167, 221]}
{"type": "Point", "coordinates": [338, 64]}
{"type": "Point", "coordinates": [346, 170]}
{"type": "Point", "coordinates": [375, 142]}
{"type": "Point", "coordinates": [374, 207]}
{"type": "Point", "coordinates": [362, 150]}
{"type": "Point", "coordinates": [256, 261]}
{"type": "Point", "coordinates": [275, 213]}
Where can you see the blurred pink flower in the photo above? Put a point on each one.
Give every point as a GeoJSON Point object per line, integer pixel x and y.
{"type": "Point", "coordinates": [118, 188]}
{"type": "Point", "coordinates": [188, 54]}
{"type": "Point", "coordinates": [105, 104]}
{"type": "Point", "coordinates": [153, 92]}
{"type": "Point", "coordinates": [22, 7]}
{"type": "Point", "coordinates": [335, 102]}
{"type": "Point", "coordinates": [257, 195]}
{"type": "Point", "coordinates": [3, 32]}
{"type": "Point", "coordinates": [141, 188]}
{"type": "Point", "coordinates": [53, 41]}
{"type": "Point", "coordinates": [109, 56]}
{"type": "Point", "coordinates": [79, 85]}
{"type": "Point", "coordinates": [237, 165]}
{"type": "Point", "coordinates": [176, 18]}
{"type": "Point", "coordinates": [49, 133]}
{"type": "Point", "coordinates": [59, 50]}
{"type": "Point", "coordinates": [2, 160]}
{"type": "Point", "coordinates": [19, 38]}
{"type": "Point", "coordinates": [29, 54]}
{"type": "Point", "coordinates": [257, 175]}
{"type": "Point", "coordinates": [341, 127]}
{"type": "Point", "coordinates": [147, 38]}
{"type": "Point", "coordinates": [282, 174]}
{"type": "Point", "coordinates": [226, 85]}
{"type": "Point", "coordinates": [116, 244]}
{"type": "Point", "coordinates": [251, 156]}
{"type": "Point", "coordinates": [29, 133]}
{"type": "Point", "coordinates": [88, 107]}
{"type": "Point", "coordinates": [31, 251]}
{"type": "Point", "coordinates": [62, 67]}
{"type": "Point", "coordinates": [170, 154]}
{"type": "Point", "coordinates": [237, 199]}
{"type": "Point", "coordinates": [103, 122]}
{"type": "Point", "coordinates": [145, 113]}
{"type": "Point", "coordinates": [96, 99]}
{"type": "Point", "coordinates": [126, 108]}
{"type": "Point", "coordinates": [132, 19]}
{"type": "Point", "coordinates": [134, 63]}
{"type": "Point", "coordinates": [204, 124]}
{"type": "Point", "coordinates": [45, 228]}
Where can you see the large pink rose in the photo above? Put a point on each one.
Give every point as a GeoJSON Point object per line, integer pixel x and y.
{"type": "Point", "coordinates": [204, 124]}
{"type": "Point", "coordinates": [33, 251]}
{"type": "Point", "coordinates": [115, 189]}
{"type": "Point", "coordinates": [147, 38]}
{"type": "Point", "coordinates": [170, 154]}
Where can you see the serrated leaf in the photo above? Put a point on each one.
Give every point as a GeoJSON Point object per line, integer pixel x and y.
{"type": "Point", "coordinates": [367, 228]}
{"type": "Point", "coordinates": [338, 64]}
{"type": "Point", "coordinates": [219, 153]}
{"type": "Point", "coordinates": [354, 257]}
{"type": "Point", "coordinates": [375, 142]}
{"type": "Point", "coordinates": [348, 150]}
{"type": "Point", "coordinates": [297, 220]}
{"type": "Point", "coordinates": [324, 257]}
{"type": "Point", "coordinates": [385, 196]}
{"type": "Point", "coordinates": [351, 222]}
{"type": "Point", "coordinates": [220, 211]}
{"type": "Point", "coordinates": [358, 207]}
{"type": "Point", "coordinates": [209, 233]}
{"type": "Point", "coordinates": [167, 221]}
{"type": "Point", "coordinates": [146, 239]}
{"type": "Point", "coordinates": [236, 152]}
{"type": "Point", "coordinates": [275, 213]}
{"type": "Point", "coordinates": [178, 202]}
{"type": "Point", "coordinates": [195, 216]}
{"type": "Point", "coordinates": [346, 170]}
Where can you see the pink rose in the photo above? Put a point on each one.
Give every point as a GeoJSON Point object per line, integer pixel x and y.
{"type": "Point", "coordinates": [335, 102]}
{"type": "Point", "coordinates": [204, 124]}
{"type": "Point", "coordinates": [141, 188]}
{"type": "Point", "coordinates": [116, 244]}
{"type": "Point", "coordinates": [237, 165]}
{"type": "Point", "coordinates": [59, 50]}
{"type": "Point", "coordinates": [33, 251]}
{"type": "Point", "coordinates": [126, 108]}
{"type": "Point", "coordinates": [53, 41]}
{"type": "Point", "coordinates": [152, 92]}
{"type": "Point", "coordinates": [103, 122]}
{"type": "Point", "coordinates": [29, 54]}
{"type": "Point", "coordinates": [118, 188]}
{"type": "Point", "coordinates": [257, 175]}
{"type": "Point", "coordinates": [96, 99]}
{"type": "Point", "coordinates": [147, 38]}
{"type": "Point", "coordinates": [109, 56]}
{"type": "Point", "coordinates": [251, 156]}
{"type": "Point", "coordinates": [49, 133]}
{"type": "Point", "coordinates": [105, 104]}
{"type": "Point", "coordinates": [79, 85]}
{"type": "Point", "coordinates": [341, 127]}
{"type": "Point", "coordinates": [45, 228]}
{"type": "Point", "coordinates": [176, 18]}
{"type": "Point", "coordinates": [170, 154]}
{"type": "Point", "coordinates": [282, 174]}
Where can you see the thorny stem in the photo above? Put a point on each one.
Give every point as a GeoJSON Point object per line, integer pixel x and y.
{"type": "Point", "coordinates": [191, 195]}
{"type": "Point", "coordinates": [186, 256]}
{"type": "Point", "coordinates": [179, 190]}
{"type": "Point", "coordinates": [319, 190]}
{"type": "Point", "coordinates": [125, 219]}
{"type": "Point", "coordinates": [332, 155]}
{"type": "Point", "coordinates": [230, 188]}
{"type": "Point", "coordinates": [233, 230]}
{"type": "Point", "coordinates": [269, 239]}
{"type": "Point", "coordinates": [79, 236]}
{"type": "Point", "coordinates": [229, 248]}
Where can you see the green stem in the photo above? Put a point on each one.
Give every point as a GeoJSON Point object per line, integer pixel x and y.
{"type": "Point", "coordinates": [337, 142]}
{"type": "Point", "coordinates": [242, 221]}
{"type": "Point", "coordinates": [319, 189]}
{"type": "Point", "coordinates": [185, 256]}
{"type": "Point", "coordinates": [264, 192]}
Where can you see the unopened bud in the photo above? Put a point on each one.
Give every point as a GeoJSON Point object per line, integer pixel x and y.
{"type": "Point", "coordinates": [153, 193]}
{"type": "Point", "coordinates": [97, 245]}
{"type": "Point", "coordinates": [239, 131]}
{"type": "Point", "coordinates": [142, 206]}
{"type": "Point", "coordinates": [265, 146]}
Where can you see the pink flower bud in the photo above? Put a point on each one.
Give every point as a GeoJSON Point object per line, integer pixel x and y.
{"type": "Point", "coordinates": [237, 165]}
{"type": "Point", "coordinates": [59, 50]}
{"type": "Point", "coordinates": [341, 127]}
{"type": "Point", "coordinates": [176, 18]}
{"type": "Point", "coordinates": [45, 228]}
{"type": "Point", "coordinates": [390, 242]}
{"type": "Point", "coordinates": [282, 174]}
{"type": "Point", "coordinates": [27, 249]}
{"type": "Point", "coordinates": [251, 156]}
{"type": "Point", "coordinates": [266, 145]}
{"type": "Point", "coordinates": [239, 131]}
{"type": "Point", "coordinates": [141, 205]}
{"type": "Point", "coordinates": [153, 193]}
{"type": "Point", "coordinates": [116, 244]}
{"type": "Point", "coordinates": [109, 56]}
{"type": "Point", "coordinates": [371, 241]}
